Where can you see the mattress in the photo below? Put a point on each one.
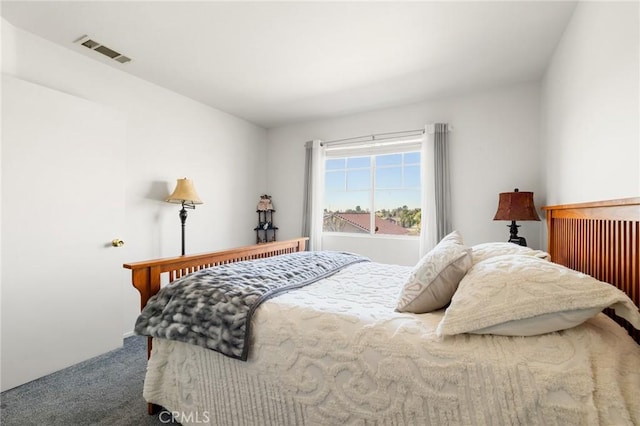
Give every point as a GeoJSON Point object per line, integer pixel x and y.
{"type": "Point", "coordinates": [336, 352]}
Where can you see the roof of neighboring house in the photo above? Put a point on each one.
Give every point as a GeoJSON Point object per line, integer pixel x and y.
{"type": "Point", "coordinates": [361, 220]}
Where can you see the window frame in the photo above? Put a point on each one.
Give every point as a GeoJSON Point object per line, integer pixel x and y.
{"type": "Point", "coordinates": [399, 147]}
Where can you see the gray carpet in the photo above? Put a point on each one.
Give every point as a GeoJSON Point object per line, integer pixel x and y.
{"type": "Point", "coordinates": [106, 390]}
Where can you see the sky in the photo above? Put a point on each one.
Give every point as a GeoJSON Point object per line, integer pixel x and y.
{"type": "Point", "coordinates": [396, 178]}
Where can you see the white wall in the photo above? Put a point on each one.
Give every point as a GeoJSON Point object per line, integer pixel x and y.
{"type": "Point", "coordinates": [590, 106]}
{"type": "Point", "coordinates": [494, 147]}
{"type": "Point", "coordinates": [168, 137]}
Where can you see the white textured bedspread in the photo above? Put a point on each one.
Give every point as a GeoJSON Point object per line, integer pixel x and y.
{"type": "Point", "coordinates": [336, 353]}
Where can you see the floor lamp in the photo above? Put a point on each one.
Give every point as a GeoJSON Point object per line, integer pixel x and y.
{"type": "Point", "coordinates": [186, 195]}
{"type": "Point", "coordinates": [514, 206]}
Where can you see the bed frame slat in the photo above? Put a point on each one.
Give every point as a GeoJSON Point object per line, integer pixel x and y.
{"type": "Point", "coordinates": [601, 239]}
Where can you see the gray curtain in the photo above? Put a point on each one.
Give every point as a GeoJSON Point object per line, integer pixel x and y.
{"type": "Point", "coordinates": [443, 188]}
{"type": "Point", "coordinates": [307, 196]}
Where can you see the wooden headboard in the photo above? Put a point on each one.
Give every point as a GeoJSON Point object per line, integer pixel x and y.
{"type": "Point", "coordinates": [601, 239]}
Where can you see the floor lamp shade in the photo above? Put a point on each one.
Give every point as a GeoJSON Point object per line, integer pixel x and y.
{"type": "Point", "coordinates": [186, 195]}
{"type": "Point", "coordinates": [514, 206]}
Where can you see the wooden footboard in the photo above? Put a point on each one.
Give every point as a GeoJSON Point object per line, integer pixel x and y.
{"type": "Point", "coordinates": [148, 276]}
{"type": "Point", "coordinates": [601, 239]}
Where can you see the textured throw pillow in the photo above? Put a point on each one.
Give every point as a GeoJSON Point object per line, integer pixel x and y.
{"type": "Point", "coordinates": [484, 251]}
{"type": "Point", "coordinates": [453, 237]}
{"type": "Point", "coordinates": [436, 276]}
{"type": "Point", "coordinates": [518, 295]}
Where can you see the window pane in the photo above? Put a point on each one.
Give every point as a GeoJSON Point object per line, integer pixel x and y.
{"type": "Point", "coordinates": [334, 181]}
{"type": "Point", "coordinates": [358, 162]}
{"type": "Point", "coordinates": [412, 158]}
{"type": "Point", "coordinates": [356, 222]}
{"type": "Point", "coordinates": [386, 160]}
{"type": "Point", "coordinates": [389, 177]}
{"type": "Point", "coordinates": [394, 199]}
{"type": "Point", "coordinates": [334, 163]}
{"type": "Point", "coordinates": [358, 180]}
{"type": "Point", "coordinates": [357, 201]}
{"type": "Point", "coordinates": [412, 177]}
{"type": "Point", "coordinates": [398, 212]}
{"type": "Point", "coordinates": [347, 212]}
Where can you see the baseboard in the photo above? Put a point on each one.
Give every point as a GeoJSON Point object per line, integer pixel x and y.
{"type": "Point", "coordinates": [128, 334]}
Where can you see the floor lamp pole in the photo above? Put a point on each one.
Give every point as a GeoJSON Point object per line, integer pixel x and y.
{"type": "Point", "coordinates": [183, 219]}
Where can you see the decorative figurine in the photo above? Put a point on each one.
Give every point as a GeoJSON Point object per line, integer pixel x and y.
{"type": "Point", "coordinates": [265, 203]}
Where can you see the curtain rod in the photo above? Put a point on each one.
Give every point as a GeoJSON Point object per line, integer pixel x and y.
{"type": "Point", "coordinates": [374, 137]}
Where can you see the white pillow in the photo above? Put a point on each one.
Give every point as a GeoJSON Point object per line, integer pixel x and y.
{"type": "Point", "coordinates": [436, 276]}
{"type": "Point", "coordinates": [485, 251]}
{"type": "Point", "coordinates": [452, 237]}
{"type": "Point", "coordinates": [518, 295]}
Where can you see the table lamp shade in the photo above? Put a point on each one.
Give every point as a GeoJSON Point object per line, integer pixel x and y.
{"type": "Point", "coordinates": [516, 206]}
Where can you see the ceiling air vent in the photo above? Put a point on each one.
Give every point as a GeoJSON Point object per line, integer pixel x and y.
{"type": "Point", "coordinates": [100, 48]}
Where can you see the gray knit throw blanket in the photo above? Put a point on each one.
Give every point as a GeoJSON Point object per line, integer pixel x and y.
{"type": "Point", "coordinates": [213, 307]}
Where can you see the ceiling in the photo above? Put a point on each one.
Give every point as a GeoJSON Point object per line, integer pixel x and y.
{"type": "Point", "coordinates": [274, 63]}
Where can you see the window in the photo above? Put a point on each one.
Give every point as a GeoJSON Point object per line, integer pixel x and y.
{"type": "Point", "coordinates": [387, 184]}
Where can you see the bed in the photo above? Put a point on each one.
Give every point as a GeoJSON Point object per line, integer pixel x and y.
{"type": "Point", "coordinates": [337, 351]}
